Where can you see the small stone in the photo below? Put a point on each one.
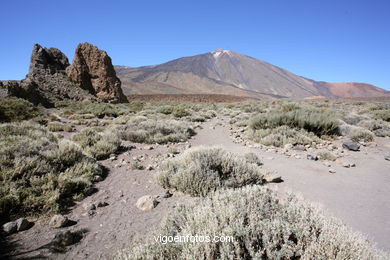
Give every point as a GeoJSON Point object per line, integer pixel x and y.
{"type": "Point", "coordinates": [22, 224]}
{"type": "Point", "coordinates": [332, 170]}
{"type": "Point", "coordinates": [288, 146]}
{"type": "Point", "coordinates": [58, 221]}
{"type": "Point", "coordinates": [10, 227]}
{"type": "Point", "coordinates": [66, 238]}
{"type": "Point", "coordinates": [387, 157]}
{"type": "Point", "coordinates": [352, 146]}
{"type": "Point", "coordinates": [273, 178]}
{"type": "Point", "coordinates": [89, 206]}
{"type": "Point", "coordinates": [148, 147]}
{"type": "Point", "coordinates": [327, 164]}
{"type": "Point", "coordinates": [97, 178]}
{"type": "Point", "coordinates": [149, 168]}
{"type": "Point", "coordinates": [299, 147]}
{"type": "Point", "coordinates": [312, 157]}
{"type": "Point", "coordinates": [102, 204]}
{"type": "Point", "coordinates": [167, 194]}
{"type": "Point", "coordinates": [146, 202]}
{"type": "Point", "coordinates": [297, 157]}
{"type": "Point", "coordinates": [112, 157]}
{"type": "Point", "coordinates": [346, 164]}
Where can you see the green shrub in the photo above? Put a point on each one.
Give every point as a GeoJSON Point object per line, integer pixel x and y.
{"type": "Point", "coordinates": [165, 109]}
{"type": "Point", "coordinates": [181, 111]}
{"type": "Point", "coordinates": [283, 135]}
{"type": "Point", "coordinates": [156, 131]}
{"type": "Point", "coordinates": [362, 135]}
{"type": "Point", "coordinates": [312, 120]}
{"type": "Point", "coordinates": [98, 144]}
{"type": "Point", "coordinates": [39, 173]}
{"type": "Point", "coordinates": [201, 170]}
{"type": "Point", "coordinates": [262, 225]}
{"type": "Point", "coordinates": [326, 156]}
{"type": "Point", "coordinates": [382, 115]}
{"type": "Point", "coordinates": [16, 109]}
{"type": "Point", "coordinates": [58, 126]}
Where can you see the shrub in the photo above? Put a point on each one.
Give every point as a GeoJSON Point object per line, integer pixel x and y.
{"type": "Point", "coordinates": [383, 115]}
{"type": "Point", "coordinates": [201, 170]}
{"type": "Point", "coordinates": [283, 135]}
{"type": "Point", "coordinates": [378, 127]}
{"type": "Point", "coordinates": [165, 110]}
{"type": "Point", "coordinates": [16, 109]}
{"type": "Point", "coordinates": [312, 120]}
{"type": "Point", "coordinates": [262, 225]}
{"type": "Point", "coordinates": [156, 131]}
{"type": "Point", "coordinates": [362, 135]}
{"type": "Point", "coordinates": [39, 173]}
{"type": "Point", "coordinates": [253, 158]}
{"type": "Point", "coordinates": [98, 144]}
{"type": "Point", "coordinates": [58, 126]}
{"type": "Point", "coordinates": [326, 156]}
{"type": "Point", "coordinates": [181, 111]}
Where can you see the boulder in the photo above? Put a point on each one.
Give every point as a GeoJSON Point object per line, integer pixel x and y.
{"type": "Point", "coordinates": [93, 71]}
{"type": "Point", "coordinates": [352, 146]}
{"type": "Point", "coordinates": [146, 202]}
{"type": "Point", "coordinates": [10, 227]}
{"type": "Point", "coordinates": [387, 157]}
{"type": "Point", "coordinates": [66, 238]}
{"type": "Point", "coordinates": [58, 221]}
{"type": "Point", "coordinates": [312, 157]}
{"type": "Point", "coordinates": [23, 224]}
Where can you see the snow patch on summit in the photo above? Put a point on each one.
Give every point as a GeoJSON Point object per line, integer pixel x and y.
{"type": "Point", "coordinates": [218, 52]}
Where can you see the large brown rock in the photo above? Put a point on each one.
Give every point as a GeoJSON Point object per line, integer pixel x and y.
{"type": "Point", "coordinates": [46, 82]}
{"type": "Point", "coordinates": [93, 71]}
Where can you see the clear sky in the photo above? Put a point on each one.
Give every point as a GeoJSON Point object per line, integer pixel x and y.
{"type": "Point", "coordinates": [330, 40]}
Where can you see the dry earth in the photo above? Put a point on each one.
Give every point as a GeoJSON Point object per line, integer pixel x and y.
{"type": "Point", "coordinates": [358, 196]}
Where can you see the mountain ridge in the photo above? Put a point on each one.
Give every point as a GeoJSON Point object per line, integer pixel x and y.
{"type": "Point", "coordinates": [232, 73]}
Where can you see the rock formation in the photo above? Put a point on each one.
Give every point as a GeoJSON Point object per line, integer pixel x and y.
{"type": "Point", "coordinates": [92, 77]}
{"type": "Point", "coordinates": [93, 71]}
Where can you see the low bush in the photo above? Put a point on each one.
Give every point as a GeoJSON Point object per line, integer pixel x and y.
{"type": "Point", "coordinates": [16, 109]}
{"type": "Point", "coordinates": [283, 135]}
{"type": "Point", "coordinates": [312, 120]}
{"type": "Point", "coordinates": [58, 126]}
{"type": "Point", "coordinates": [201, 170]}
{"type": "Point", "coordinates": [262, 225]}
{"type": "Point", "coordinates": [382, 115]}
{"type": "Point", "coordinates": [326, 156]}
{"type": "Point", "coordinates": [378, 127]}
{"type": "Point", "coordinates": [98, 144]}
{"type": "Point", "coordinates": [156, 131]}
{"type": "Point", "coordinates": [38, 172]}
{"type": "Point", "coordinates": [362, 135]}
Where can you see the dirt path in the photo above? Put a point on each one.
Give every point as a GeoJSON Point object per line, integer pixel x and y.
{"type": "Point", "coordinates": [359, 196]}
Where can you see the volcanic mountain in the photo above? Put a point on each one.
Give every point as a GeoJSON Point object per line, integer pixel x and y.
{"type": "Point", "coordinates": [232, 73]}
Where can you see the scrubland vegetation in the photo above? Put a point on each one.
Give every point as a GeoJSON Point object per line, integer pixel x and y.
{"type": "Point", "coordinates": [48, 162]}
{"type": "Point", "coordinates": [39, 172]}
{"type": "Point", "coordinates": [263, 226]}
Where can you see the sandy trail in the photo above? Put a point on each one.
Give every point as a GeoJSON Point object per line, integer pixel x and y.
{"type": "Point", "coordinates": [359, 196]}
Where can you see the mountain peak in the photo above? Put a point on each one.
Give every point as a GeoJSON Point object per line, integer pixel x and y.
{"type": "Point", "coordinates": [219, 51]}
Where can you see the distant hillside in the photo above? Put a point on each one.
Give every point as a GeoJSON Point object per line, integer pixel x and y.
{"type": "Point", "coordinates": [231, 73]}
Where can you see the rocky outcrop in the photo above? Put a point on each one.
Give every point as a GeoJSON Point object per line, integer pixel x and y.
{"type": "Point", "coordinates": [91, 77]}
{"type": "Point", "coordinates": [93, 71]}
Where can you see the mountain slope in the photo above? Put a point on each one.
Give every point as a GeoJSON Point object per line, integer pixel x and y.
{"type": "Point", "coordinates": [228, 72]}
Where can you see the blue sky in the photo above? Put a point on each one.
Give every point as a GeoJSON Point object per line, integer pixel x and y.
{"type": "Point", "coordinates": [326, 40]}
